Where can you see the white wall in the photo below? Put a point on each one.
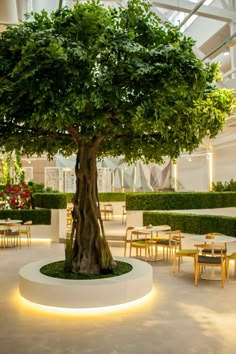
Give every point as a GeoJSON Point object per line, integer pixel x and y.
{"type": "Point", "coordinates": [224, 164]}
{"type": "Point", "coordinates": [39, 5]}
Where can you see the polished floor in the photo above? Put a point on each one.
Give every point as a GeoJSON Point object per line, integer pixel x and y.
{"type": "Point", "coordinates": [176, 317]}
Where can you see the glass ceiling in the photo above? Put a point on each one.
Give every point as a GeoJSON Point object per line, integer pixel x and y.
{"type": "Point", "coordinates": [176, 17]}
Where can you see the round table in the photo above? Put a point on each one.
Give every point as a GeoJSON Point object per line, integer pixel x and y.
{"type": "Point", "coordinates": [152, 229]}
{"type": "Point", "coordinates": [10, 221]}
{"type": "Point", "coordinates": [221, 238]}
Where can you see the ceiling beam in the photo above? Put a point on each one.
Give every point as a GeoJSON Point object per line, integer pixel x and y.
{"type": "Point", "coordinates": [205, 11]}
{"type": "Point", "coordinates": [198, 5]}
{"type": "Point", "coordinates": [228, 40]}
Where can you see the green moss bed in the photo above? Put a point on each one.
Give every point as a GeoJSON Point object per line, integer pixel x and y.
{"type": "Point", "coordinates": [56, 270]}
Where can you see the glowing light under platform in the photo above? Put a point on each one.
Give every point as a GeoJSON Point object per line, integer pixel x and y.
{"type": "Point", "coordinates": [85, 294]}
{"type": "Point", "coordinates": [37, 239]}
{"type": "Point", "coordinates": [129, 306]}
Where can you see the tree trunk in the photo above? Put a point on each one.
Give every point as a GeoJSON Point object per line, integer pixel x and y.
{"type": "Point", "coordinates": [91, 254]}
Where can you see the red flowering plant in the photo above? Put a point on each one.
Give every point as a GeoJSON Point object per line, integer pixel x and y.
{"type": "Point", "coordinates": [16, 196]}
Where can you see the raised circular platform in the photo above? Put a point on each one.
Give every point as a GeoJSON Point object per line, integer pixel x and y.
{"type": "Point", "coordinates": [41, 289]}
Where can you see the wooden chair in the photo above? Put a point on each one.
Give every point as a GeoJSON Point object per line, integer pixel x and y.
{"type": "Point", "coordinates": [127, 238]}
{"type": "Point", "coordinates": [213, 260]}
{"type": "Point", "coordinates": [180, 253]}
{"type": "Point", "coordinates": [140, 240]}
{"type": "Point", "coordinates": [231, 257]}
{"type": "Point", "coordinates": [177, 236]}
{"type": "Point", "coordinates": [25, 230]}
{"type": "Point", "coordinates": [168, 241]}
{"type": "Point", "coordinates": [108, 210]}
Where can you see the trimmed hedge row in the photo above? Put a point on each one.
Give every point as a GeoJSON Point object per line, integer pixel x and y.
{"type": "Point", "coordinates": [180, 200]}
{"type": "Point", "coordinates": [103, 197]}
{"type": "Point", "coordinates": [50, 200]}
{"type": "Point", "coordinates": [38, 217]}
{"type": "Point", "coordinates": [112, 197]}
{"type": "Point", "coordinates": [193, 223]}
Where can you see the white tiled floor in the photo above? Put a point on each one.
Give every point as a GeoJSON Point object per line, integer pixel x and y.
{"type": "Point", "coordinates": [177, 318]}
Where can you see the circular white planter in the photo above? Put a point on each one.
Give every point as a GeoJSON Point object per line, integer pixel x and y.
{"type": "Point", "coordinates": [41, 289]}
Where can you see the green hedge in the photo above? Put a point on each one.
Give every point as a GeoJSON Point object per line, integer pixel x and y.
{"type": "Point", "coordinates": [50, 200]}
{"type": "Point", "coordinates": [112, 197]}
{"type": "Point", "coordinates": [192, 223]}
{"type": "Point", "coordinates": [69, 197]}
{"type": "Point", "coordinates": [38, 216]}
{"type": "Point", "coordinates": [179, 200]}
{"type": "Point", "coordinates": [103, 197]}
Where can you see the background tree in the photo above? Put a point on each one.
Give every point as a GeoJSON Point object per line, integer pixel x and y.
{"type": "Point", "coordinates": [100, 81]}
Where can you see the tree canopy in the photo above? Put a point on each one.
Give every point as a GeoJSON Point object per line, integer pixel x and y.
{"type": "Point", "coordinates": [114, 73]}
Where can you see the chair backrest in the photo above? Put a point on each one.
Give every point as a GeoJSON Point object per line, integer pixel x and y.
{"type": "Point", "coordinates": [108, 207]}
{"type": "Point", "coordinates": [213, 247]}
{"type": "Point", "coordinates": [174, 236]}
{"type": "Point", "coordinates": [177, 236]}
{"type": "Point", "coordinates": [29, 222]}
{"type": "Point", "coordinates": [139, 234]}
{"type": "Point", "coordinates": [127, 236]}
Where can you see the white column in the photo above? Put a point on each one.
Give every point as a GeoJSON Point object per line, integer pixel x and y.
{"type": "Point", "coordinates": [8, 11]}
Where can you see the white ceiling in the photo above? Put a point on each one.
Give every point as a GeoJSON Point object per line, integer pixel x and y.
{"type": "Point", "coordinates": [212, 25]}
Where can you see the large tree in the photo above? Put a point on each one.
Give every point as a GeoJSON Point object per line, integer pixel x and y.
{"type": "Point", "coordinates": [104, 81]}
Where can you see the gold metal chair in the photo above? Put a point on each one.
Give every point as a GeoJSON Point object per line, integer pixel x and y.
{"type": "Point", "coordinates": [2, 233]}
{"type": "Point", "coordinates": [25, 230]}
{"type": "Point", "coordinates": [12, 236]}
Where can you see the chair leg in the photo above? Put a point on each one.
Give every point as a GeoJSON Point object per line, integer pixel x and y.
{"type": "Point", "coordinates": [222, 274]}
{"type": "Point", "coordinates": [196, 275]}
{"type": "Point", "coordinates": [174, 264]}
{"type": "Point", "coordinates": [179, 259]}
{"type": "Point", "coordinates": [156, 252]}
{"type": "Point", "coordinates": [28, 239]}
